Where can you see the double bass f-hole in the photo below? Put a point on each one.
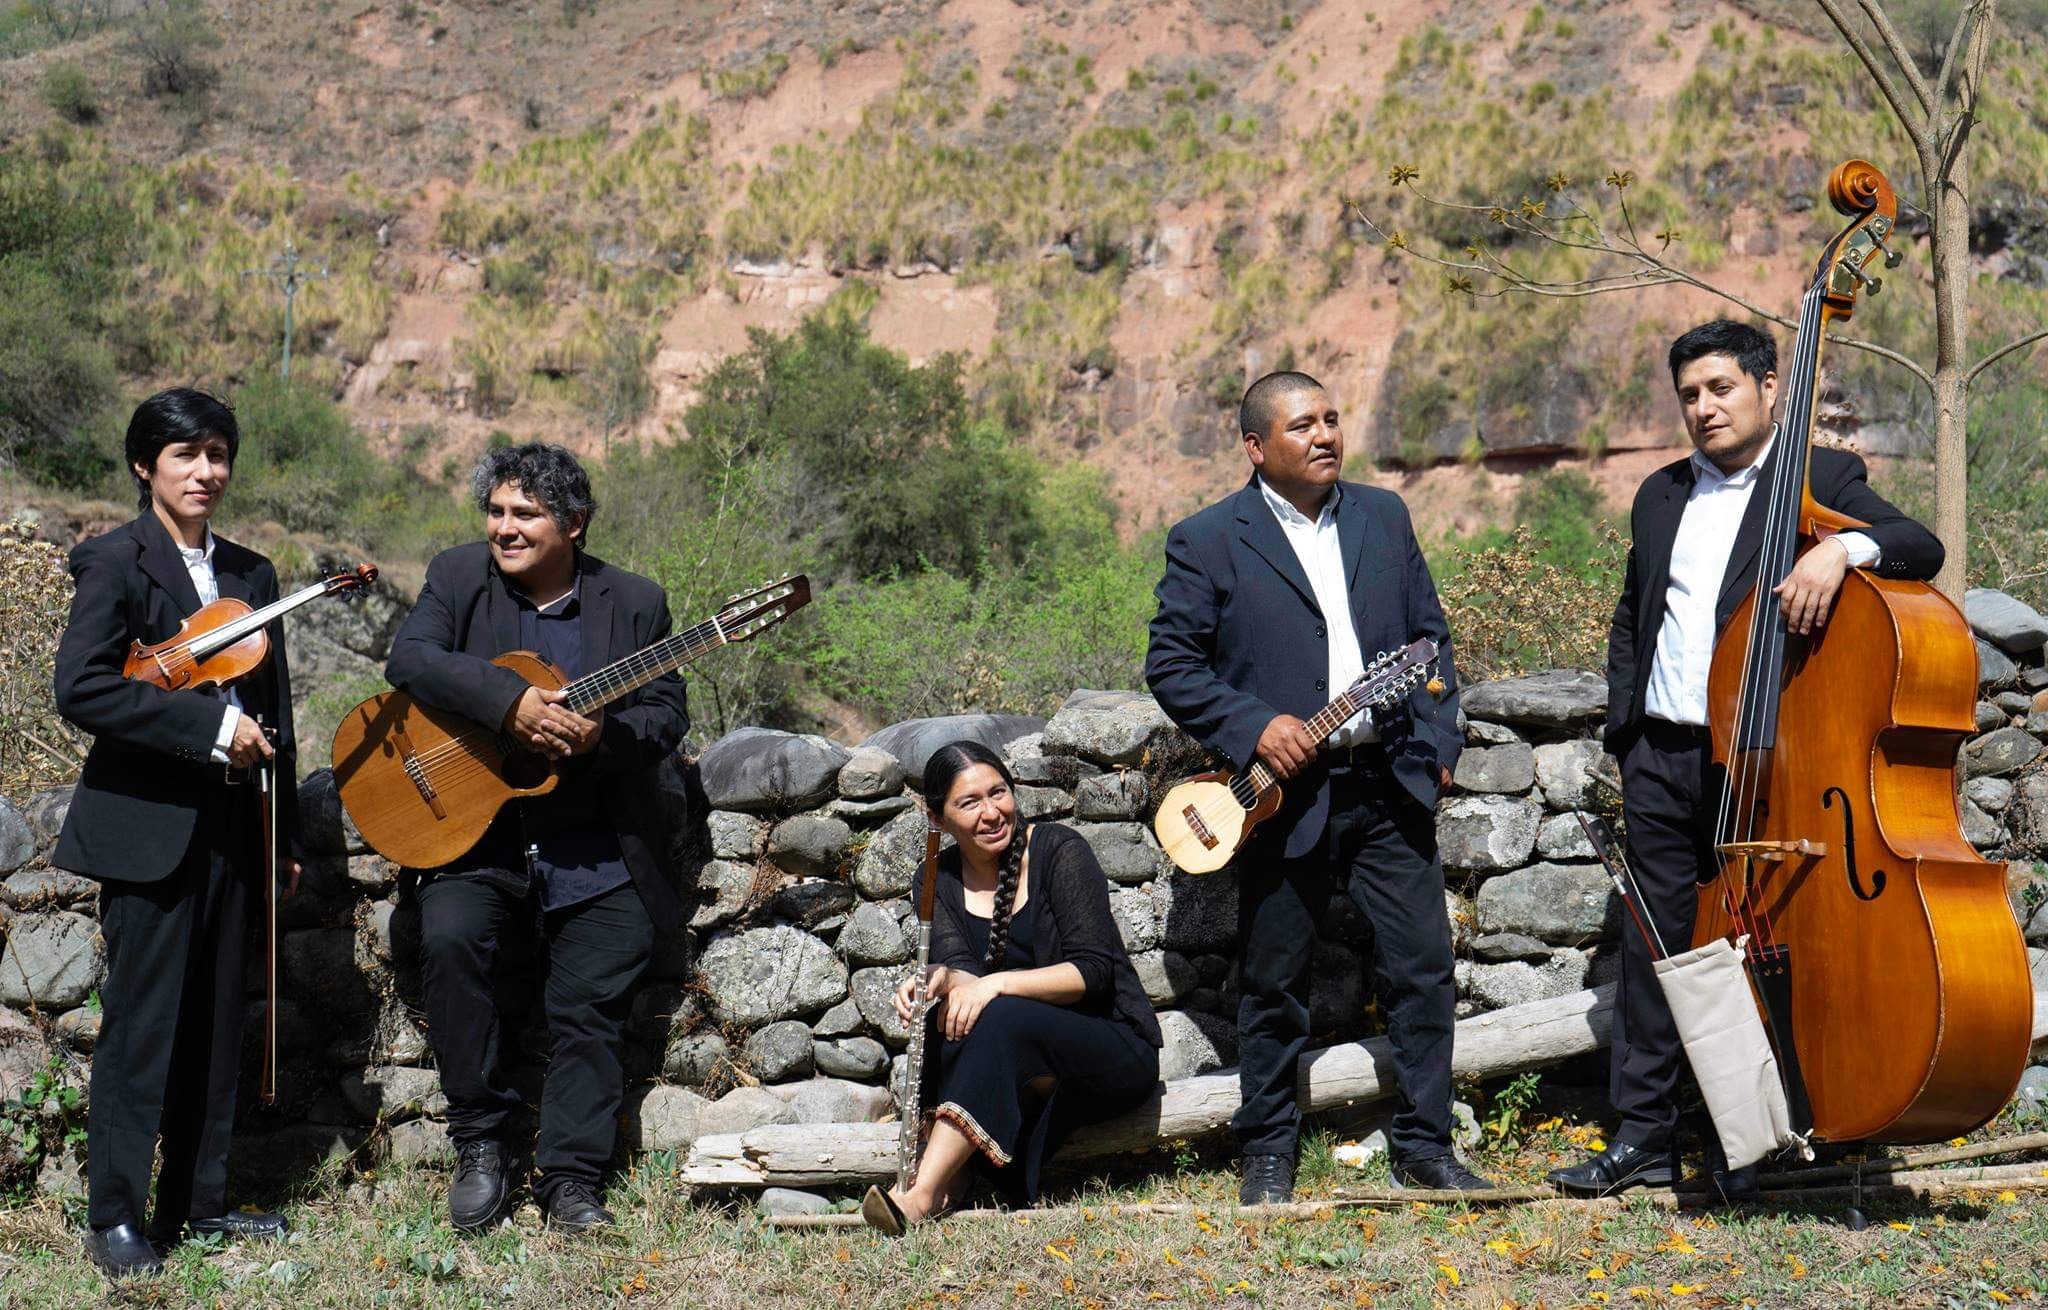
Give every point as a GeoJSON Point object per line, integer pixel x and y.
{"type": "Point", "coordinates": [1827, 800]}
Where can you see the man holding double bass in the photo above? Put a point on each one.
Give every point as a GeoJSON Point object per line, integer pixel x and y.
{"type": "Point", "coordinates": [583, 867]}
{"type": "Point", "coordinates": [1697, 528]}
{"type": "Point", "coordinates": [166, 817]}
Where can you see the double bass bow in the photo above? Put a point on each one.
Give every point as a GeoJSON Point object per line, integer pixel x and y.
{"type": "Point", "coordinates": [1882, 950]}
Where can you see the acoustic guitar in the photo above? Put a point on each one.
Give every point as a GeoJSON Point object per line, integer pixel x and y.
{"type": "Point", "coordinates": [1203, 822]}
{"type": "Point", "coordinates": [423, 784]}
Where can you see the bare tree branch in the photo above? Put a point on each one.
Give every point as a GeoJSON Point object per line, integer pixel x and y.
{"type": "Point", "coordinates": [1975, 10]}
{"type": "Point", "coordinates": [1896, 47]}
{"type": "Point", "coordinates": [2020, 343]}
{"type": "Point", "coordinates": [1919, 131]}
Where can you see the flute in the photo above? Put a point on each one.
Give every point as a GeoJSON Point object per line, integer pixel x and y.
{"type": "Point", "coordinates": [909, 1134]}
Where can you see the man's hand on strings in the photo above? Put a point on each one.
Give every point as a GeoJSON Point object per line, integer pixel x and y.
{"type": "Point", "coordinates": [1808, 592]}
{"type": "Point", "coordinates": [1286, 746]}
{"type": "Point", "coordinates": [540, 719]}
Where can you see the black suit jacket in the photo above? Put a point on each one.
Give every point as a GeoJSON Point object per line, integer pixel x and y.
{"type": "Point", "coordinates": [149, 775]}
{"type": "Point", "coordinates": [1840, 481]}
{"type": "Point", "coordinates": [465, 616]}
{"type": "Point", "coordinates": [1238, 639]}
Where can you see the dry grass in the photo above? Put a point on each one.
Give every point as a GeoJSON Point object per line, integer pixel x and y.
{"type": "Point", "coordinates": [37, 748]}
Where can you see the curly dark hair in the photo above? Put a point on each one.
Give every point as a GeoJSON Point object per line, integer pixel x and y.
{"type": "Point", "coordinates": [946, 764]}
{"type": "Point", "coordinates": [549, 474]}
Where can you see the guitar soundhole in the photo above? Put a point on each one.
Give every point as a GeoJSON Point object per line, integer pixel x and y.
{"type": "Point", "coordinates": [525, 769]}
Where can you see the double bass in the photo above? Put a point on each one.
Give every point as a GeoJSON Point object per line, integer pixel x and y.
{"type": "Point", "coordinates": [1883, 952]}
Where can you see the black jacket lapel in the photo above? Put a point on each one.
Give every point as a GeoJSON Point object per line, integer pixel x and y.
{"type": "Point", "coordinates": [1258, 529]}
{"type": "Point", "coordinates": [1661, 535]}
{"type": "Point", "coordinates": [595, 605]}
{"type": "Point", "coordinates": [229, 572]}
{"type": "Point", "coordinates": [162, 562]}
{"type": "Point", "coordinates": [503, 611]}
{"type": "Point", "coordinates": [1355, 536]}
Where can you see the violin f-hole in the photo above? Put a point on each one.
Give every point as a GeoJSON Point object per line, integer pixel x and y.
{"type": "Point", "coordinates": [1877, 879]}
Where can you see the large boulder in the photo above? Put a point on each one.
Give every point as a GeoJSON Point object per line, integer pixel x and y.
{"type": "Point", "coordinates": [694, 1058]}
{"type": "Point", "coordinates": [870, 774]}
{"type": "Point", "coordinates": [874, 990]}
{"type": "Point", "coordinates": [1486, 833]}
{"type": "Point", "coordinates": [765, 974]}
{"type": "Point", "coordinates": [1137, 918]}
{"type": "Point", "coordinates": [46, 889]}
{"type": "Point", "coordinates": [893, 856]}
{"type": "Point", "coordinates": [1128, 852]}
{"type": "Point", "coordinates": [836, 1101]}
{"type": "Point", "coordinates": [1563, 904]}
{"type": "Point", "coordinates": [392, 1092]}
{"type": "Point", "coordinates": [1559, 698]}
{"type": "Point", "coordinates": [736, 836]}
{"type": "Point", "coordinates": [665, 1118]}
{"type": "Point", "coordinates": [324, 826]}
{"type": "Point", "coordinates": [913, 740]}
{"type": "Point", "coordinates": [1565, 771]}
{"type": "Point", "coordinates": [1498, 986]}
{"type": "Point", "coordinates": [1995, 668]}
{"type": "Point", "coordinates": [17, 838]}
{"type": "Point", "coordinates": [46, 812]}
{"type": "Point", "coordinates": [1166, 976]}
{"type": "Point", "coordinates": [1109, 727]}
{"type": "Point", "coordinates": [1506, 769]}
{"type": "Point", "coordinates": [2009, 624]}
{"type": "Point", "coordinates": [810, 844]}
{"type": "Point", "coordinates": [859, 1058]}
{"type": "Point", "coordinates": [723, 892]}
{"type": "Point", "coordinates": [1561, 838]}
{"type": "Point", "coordinates": [761, 769]}
{"type": "Point", "coordinates": [780, 1051]}
{"type": "Point", "coordinates": [2007, 750]}
{"type": "Point", "coordinates": [742, 1110]}
{"type": "Point", "coordinates": [1195, 1043]}
{"type": "Point", "coordinates": [876, 933]}
{"type": "Point", "coordinates": [819, 904]}
{"type": "Point", "coordinates": [51, 960]}
{"type": "Point", "coordinates": [1121, 794]}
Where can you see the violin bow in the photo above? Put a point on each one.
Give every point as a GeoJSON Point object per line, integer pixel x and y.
{"type": "Point", "coordinates": [267, 787]}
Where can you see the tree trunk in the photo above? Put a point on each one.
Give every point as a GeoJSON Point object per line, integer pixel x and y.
{"type": "Point", "coordinates": [1948, 193]}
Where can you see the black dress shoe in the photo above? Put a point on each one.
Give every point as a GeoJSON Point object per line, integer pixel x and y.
{"type": "Point", "coordinates": [1615, 1169]}
{"type": "Point", "coordinates": [573, 1206]}
{"type": "Point", "coordinates": [1268, 1180]}
{"type": "Point", "coordinates": [1439, 1173]}
{"type": "Point", "coordinates": [477, 1196]}
{"type": "Point", "coordinates": [1737, 1184]}
{"type": "Point", "coordinates": [122, 1250]}
{"type": "Point", "coordinates": [239, 1225]}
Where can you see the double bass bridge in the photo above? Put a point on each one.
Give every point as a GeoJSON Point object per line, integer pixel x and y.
{"type": "Point", "coordinates": [1774, 850]}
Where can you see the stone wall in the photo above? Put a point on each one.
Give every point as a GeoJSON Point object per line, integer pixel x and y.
{"type": "Point", "coordinates": [799, 853]}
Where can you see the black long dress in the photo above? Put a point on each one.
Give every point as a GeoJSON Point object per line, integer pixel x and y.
{"type": "Point", "coordinates": [1101, 1060]}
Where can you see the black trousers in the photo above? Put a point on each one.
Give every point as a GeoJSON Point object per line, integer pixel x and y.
{"type": "Point", "coordinates": [591, 955]}
{"type": "Point", "coordinates": [1670, 795]}
{"type": "Point", "coordinates": [1380, 846]}
{"type": "Point", "coordinates": [170, 1038]}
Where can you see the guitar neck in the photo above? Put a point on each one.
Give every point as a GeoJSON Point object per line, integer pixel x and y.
{"type": "Point", "coordinates": [596, 690]}
{"type": "Point", "coordinates": [1320, 725]}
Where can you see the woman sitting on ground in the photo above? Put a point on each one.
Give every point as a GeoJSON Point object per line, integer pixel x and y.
{"type": "Point", "coordinates": [1039, 1024]}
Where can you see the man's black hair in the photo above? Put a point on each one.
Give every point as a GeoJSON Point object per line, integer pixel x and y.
{"type": "Point", "coordinates": [1753, 350]}
{"type": "Point", "coordinates": [173, 418]}
{"type": "Point", "coordinates": [1261, 403]}
{"type": "Point", "coordinates": [549, 474]}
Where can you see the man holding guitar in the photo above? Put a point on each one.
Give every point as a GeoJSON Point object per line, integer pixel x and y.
{"type": "Point", "coordinates": [1271, 600]}
{"type": "Point", "coordinates": [584, 864]}
{"type": "Point", "coordinates": [165, 817]}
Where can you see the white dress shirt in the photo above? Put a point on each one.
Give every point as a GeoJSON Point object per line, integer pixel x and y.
{"type": "Point", "coordinates": [199, 564]}
{"type": "Point", "coordinates": [1699, 562]}
{"type": "Point", "coordinates": [1322, 559]}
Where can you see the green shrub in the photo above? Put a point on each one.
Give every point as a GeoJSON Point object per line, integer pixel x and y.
{"type": "Point", "coordinates": [69, 94]}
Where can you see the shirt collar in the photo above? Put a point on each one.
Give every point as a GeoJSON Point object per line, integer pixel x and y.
{"type": "Point", "coordinates": [197, 554]}
{"type": "Point", "coordinates": [560, 606]}
{"type": "Point", "coordinates": [1284, 510]}
{"type": "Point", "coordinates": [1710, 474]}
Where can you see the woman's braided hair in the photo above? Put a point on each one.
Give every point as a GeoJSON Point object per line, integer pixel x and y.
{"type": "Point", "coordinates": [947, 763]}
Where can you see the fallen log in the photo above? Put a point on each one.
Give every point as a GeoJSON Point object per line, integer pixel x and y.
{"type": "Point", "coordinates": [1331, 1078]}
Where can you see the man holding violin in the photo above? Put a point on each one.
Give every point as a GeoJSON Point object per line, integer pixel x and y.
{"type": "Point", "coordinates": [1698, 527]}
{"type": "Point", "coordinates": [166, 817]}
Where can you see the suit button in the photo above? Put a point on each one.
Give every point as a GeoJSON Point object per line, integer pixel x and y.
{"type": "Point", "coordinates": [1319, 684]}
{"type": "Point", "coordinates": [1319, 630]}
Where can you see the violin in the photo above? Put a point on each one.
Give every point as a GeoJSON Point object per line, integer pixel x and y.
{"type": "Point", "coordinates": [1883, 953]}
{"type": "Point", "coordinates": [224, 642]}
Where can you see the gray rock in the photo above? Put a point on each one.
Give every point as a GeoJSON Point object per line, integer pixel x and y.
{"type": "Point", "coordinates": [2008, 702]}
{"type": "Point", "coordinates": [1565, 771]}
{"type": "Point", "coordinates": [809, 844]}
{"type": "Point", "coordinates": [1166, 976]}
{"type": "Point", "coordinates": [869, 774]}
{"type": "Point", "coordinates": [1109, 727]}
{"type": "Point", "coordinates": [914, 740]}
{"type": "Point", "coordinates": [371, 872]}
{"type": "Point", "coordinates": [836, 1101]}
{"type": "Point", "coordinates": [695, 1058]}
{"type": "Point", "coordinates": [2011, 625]}
{"type": "Point", "coordinates": [2037, 927]}
{"type": "Point", "coordinates": [841, 1020]}
{"type": "Point", "coordinates": [873, 990]}
{"type": "Point", "coordinates": [23, 1054]}
{"type": "Point", "coordinates": [813, 902]}
{"type": "Point", "coordinates": [1122, 794]}
{"type": "Point", "coordinates": [779, 1052]}
{"type": "Point", "coordinates": [1561, 838]}
{"type": "Point", "coordinates": [2007, 750]}
{"type": "Point", "coordinates": [1197, 914]}
{"type": "Point", "coordinates": [1563, 904]}
{"type": "Point", "coordinates": [1496, 948]}
{"type": "Point", "coordinates": [53, 960]}
{"type": "Point", "coordinates": [392, 1092]}
{"type": "Point", "coordinates": [859, 1058]}
{"type": "Point", "coordinates": [876, 934]}
{"type": "Point", "coordinates": [2033, 1088]}
{"type": "Point", "coordinates": [1030, 764]}
{"type": "Point", "coordinates": [1991, 716]}
{"type": "Point", "coordinates": [1464, 921]}
{"type": "Point", "coordinates": [892, 857]}
{"type": "Point", "coordinates": [1137, 919]}
{"type": "Point", "coordinates": [17, 838]}
{"type": "Point", "coordinates": [742, 1110]}
{"type": "Point", "coordinates": [1195, 1044]}
{"type": "Point", "coordinates": [1499, 986]}
{"type": "Point", "coordinates": [765, 974]}
{"type": "Point", "coordinates": [46, 811]}
{"type": "Point", "coordinates": [870, 811]}
{"type": "Point", "coordinates": [1478, 732]}
{"type": "Point", "coordinates": [1128, 852]}
{"type": "Point", "coordinates": [324, 826]}
{"type": "Point", "coordinates": [1496, 769]}
{"type": "Point", "coordinates": [323, 962]}
{"type": "Point", "coordinates": [79, 1028]}
{"type": "Point", "coordinates": [1988, 794]}
{"type": "Point", "coordinates": [777, 1202]}
{"type": "Point", "coordinates": [1995, 669]}
{"type": "Point", "coordinates": [1464, 1126]}
{"type": "Point", "coordinates": [1979, 829]}
{"type": "Point", "coordinates": [723, 891]}
{"type": "Point", "coordinates": [1558, 698]}
{"type": "Point", "coordinates": [1486, 832]}
{"type": "Point", "coordinates": [761, 769]}
{"type": "Point", "coordinates": [2027, 813]}
{"type": "Point", "coordinates": [736, 836]}
{"type": "Point", "coordinates": [418, 1141]}
{"type": "Point", "coordinates": [46, 889]}
{"type": "Point", "coordinates": [1034, 803]}
{"type": "Point", "coordinates": [669, 1118]}
{"type": "Point", "coordinates": [659, 1011]}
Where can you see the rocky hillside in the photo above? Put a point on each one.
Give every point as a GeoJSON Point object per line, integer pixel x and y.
{"type": "Point", "coordinates": [554, 219]}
